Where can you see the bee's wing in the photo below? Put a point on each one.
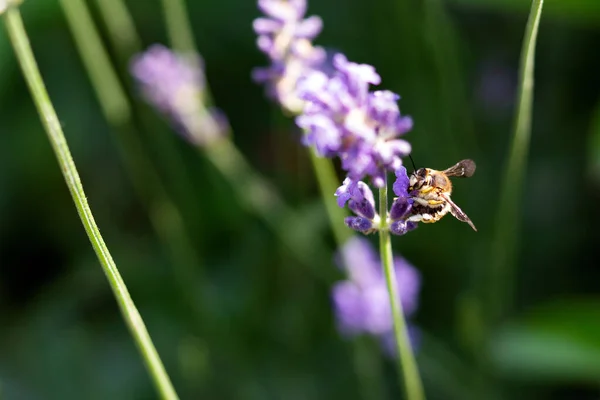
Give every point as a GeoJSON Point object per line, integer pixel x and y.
{"type": "Point", "coordinates": [462, 169]}
{"type": "Point", "coordinates": [457, 212]}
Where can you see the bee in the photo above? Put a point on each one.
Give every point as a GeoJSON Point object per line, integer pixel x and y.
{"type": "Point", "coordinates": [431, 189]}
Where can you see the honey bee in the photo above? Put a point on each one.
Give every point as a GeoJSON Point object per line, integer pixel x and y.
{"type": "Point", "coordinates": [431, 189]}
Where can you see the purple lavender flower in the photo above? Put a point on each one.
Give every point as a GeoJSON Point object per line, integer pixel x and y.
{"type": "Point", "coordinates": [343, 118]}
{"type": "Point", "coordinates": [361, 201]}
{"type": "Point", "coordinates": [175, 85]}
{"type": "Point", "coordinates": [285, 37]}
{"type": "Point", "coordinates": [402, 205]}
{"type": "Point", "coordinates": [361, 302]}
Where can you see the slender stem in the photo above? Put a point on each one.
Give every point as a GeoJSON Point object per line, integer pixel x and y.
{"type": "Point", "coordinates": [328, 183]}
{"type": "Point", "coordinates": [122, 31]}
{"type": "Point", "coordinates": [164, 215]}
{"type": "Point", "coordinates": [20, 42]}
{"type": "Point", "coordinates": [507, 218]}
{"type": "Point", "coordinates": [368, 367]}
{"type": "Point", "coordinates": [111, 96]}
{"type": "Point", "coordinates": [126, 41]}
{"type": "Point", "coordinates": [409, 373]}
{"type": "Point", "coordinates": [263, 200]}
{"type": "Point", "coordinates": [181, 36]}
{"type": "Point", "coordinates": [442, 37]}
{"type": "Point", "coordinates": [179, 30]}
{"type": "Point", "coordinates": [367, 362]}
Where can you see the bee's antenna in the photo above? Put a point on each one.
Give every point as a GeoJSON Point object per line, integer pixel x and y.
{"type": "Point", "coordinates": [413, 162]}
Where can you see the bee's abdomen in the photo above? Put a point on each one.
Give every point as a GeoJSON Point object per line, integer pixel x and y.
{"type": "Point", "coordinates": [427, 213]}
{"type": "Point", "coordinates": [419, 208]}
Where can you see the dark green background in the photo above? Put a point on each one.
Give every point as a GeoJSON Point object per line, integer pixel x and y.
{"type": "Point", "coordinates": [269, 332]}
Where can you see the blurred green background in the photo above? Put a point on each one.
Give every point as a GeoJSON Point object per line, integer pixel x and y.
{"type": "Point", "coordinates": [267, 330]}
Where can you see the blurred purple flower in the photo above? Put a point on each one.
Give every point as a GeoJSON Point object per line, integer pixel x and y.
{"type": "Point", "coordinates": [175, 85]}
{"type": "Point", "coordinates": [342, 117]}
{"type": "Point", "coordinates": [285, 36]}
{"type": "Point", "coordinates": [361, 302]}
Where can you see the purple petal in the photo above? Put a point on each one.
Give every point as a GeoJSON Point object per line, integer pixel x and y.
{"type": "Point", "coordinates": [343, 194]}
{"type": "Point", "coordinates": [383, 107]}
{"type": "Point", "coordinates": [349, 307]}
{"type": "Point", "coordinates": [378, 319]}
{"type": "Point", "coordinates": [309, 28]}
{"type": "Point", "coordinates": [404, 125]}
{"type": "Point", "coordinates": [278, 9]}
{"type": "Point", "coordinates": [400, 207]}
{"type": "Point", "coordinates": [359, 224]}
{"type": "Point", "coordinates": [402, 182]}
{"type": "Point", "coordinates": [266, 26]}
{"type": "Point", "coordinates": [264, 44]}
{"type": "Point", "coordinates": [399, 227]}
{"type": "Point", "coordinates": [409, 284]}
{"type": "Point", "coordinates": [358, 258]}
{"type": "Point", "coordinates": [362, 208]}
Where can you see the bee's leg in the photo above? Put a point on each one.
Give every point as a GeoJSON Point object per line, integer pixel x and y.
{"type": "Point", "coordinates": [425, 218]}
{"type": "Point", "coordinates": [433, 202]}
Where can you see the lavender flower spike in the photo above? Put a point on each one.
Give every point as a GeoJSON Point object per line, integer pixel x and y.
{"type": "Point", "coordinates": [285, 37]}
{"type": "Point", "coordinates": [175, 85]}
{"type": "Point", "coordinates": [361, 303]}
{"type": "Point", "coordinates": [343, 118]}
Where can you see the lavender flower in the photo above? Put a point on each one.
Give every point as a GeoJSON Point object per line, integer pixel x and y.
{"type": "Point", "coordinates": [343, 118]}
{"type": "Point", "coordinates": [175, 85]}
{"type": "Point", "coordinates": [361, 202]}
{"type": "Point", "coordinates": [402, 205]}
{"type": "Point", "coordinates": [285, 37]}
{"type": "Point", "coordinates": [361, 302]}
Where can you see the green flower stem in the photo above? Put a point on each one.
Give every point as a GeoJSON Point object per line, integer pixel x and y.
{"type": "Point", "coordinates": [368, 367]}
{"type": "Point", "coordinates": [409, 373]}
{"type": "Point", "coordinates": [20, 42]}
{"type": "Point", "coordinates": [181, 36]}
{"type": "Point", "coordinates": [178, 26]}
{"type": "Point", "coordinates": [163, 213]}
{"type": "Point", "coordinates": [119, 23]}
{"type": "Point", "coordinates": [328, 183]}
{"type": "Point", "coordinates": [124, 38]}
{"type": "Point", "coordinates": [260, 198]}
{"type": "Point", "coordinates": [367, 361]}
{"type": "Point", "coordinates": [507, 219]}
{"type": "Point", "coordinates": [442, 38]}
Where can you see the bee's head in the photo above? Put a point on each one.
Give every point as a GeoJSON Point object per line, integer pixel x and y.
{"type": "Point", "coordinates": [419, 178]}
{"type": "Point", "coordinates": [421, 173]}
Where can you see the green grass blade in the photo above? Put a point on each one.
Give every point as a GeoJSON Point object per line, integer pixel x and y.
{"type": "Point", "coordinates": [178, 26]}
{"type": "Point", "coordinates": [504, 245]}
{"type": "Point", "coordinates": [119, 23]}
{"type": "Point", "coordinates": [20, 42]}
{"type": "Point", "coordinates": [164, 214]}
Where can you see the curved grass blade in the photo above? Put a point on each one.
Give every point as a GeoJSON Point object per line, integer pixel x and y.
{"type": "Point", "coordinates": [20, 42]}
{"type": "Point", "coordinates": [504, 245]}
